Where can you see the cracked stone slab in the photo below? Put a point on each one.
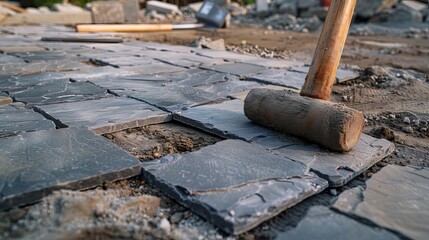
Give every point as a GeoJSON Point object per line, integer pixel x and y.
{"type": "Point", "coordinates": [188, 60]}
{"type": "Point", "coordinates": [227, 120]}
{"type": "Point", "coordinates": [58, 91]}
{"type": "Point", "coordinates": [343, 75]}
{"type": "Point", "coordinates": [239, 69]}
{"type": "Point", "coordinates": [233, 184]}
{"type": "Point", "coordinates": [121, 61]}
{"type": "Point", "coordinates": [4, 99]}
{"type": "Point", "coordinates": [280, 78]}
{"type": "Point", "coordinates": [14, 121]}
{"type": "Point", "coordinates": [337, 168]}
{"type": "Point", "coordinates": [44, 161]}
{"type": "Point", "coordinates": [324, 224]}
{"type": "Point", "coordinates": [395, 198]}
{"type": "Point", "coordinates": [224, 119]}
{"type": "Point", "coordinates": [106, 115]}
{"type": "Point", "coordinates": [170, 98]}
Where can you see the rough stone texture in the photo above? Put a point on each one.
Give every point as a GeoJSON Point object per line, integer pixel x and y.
{"type": "Point", "coordinates": [170, 98]}
{"type": "Point", "coordinates": [58, 92]}
{"type": "Point", "coordinates": [131, 11]}
{"type": "Point", "coordinates": [188, 60]}
{"type": "Point", "coordinates": [395, 198]}
{"type": "Point", "coordinates": [9, 69]}
{"type": "Point", "coordinates": [280, 78]}
{"type": "Point", "coordinates": [324, 224]}
{"type": "Point", "coordinates": [107, 12]}
{"type": "Point", "coordinates": [4, 99]}
{"type": "Point", "coordinates": [9, 59]}
{"type": "Point", "coordinates": [342, 75]}
{"type": "Point", "coordinates": [106, 115]}
{"type": "Point", "coordinates": [367, 9]}
{"type": "Point", "coordinates": [239, 69]}
{"type": "Point", "coordinates": [403, 14]}
{"type": "Point", "coordinates": [225, 119]}
{"type": "Point", "coordinates": [43, 161]}
{"type": "Point", "coordinates": [238, 185]}
{"type": "Point", "coordinates": [162, 7]}
{"type": "Point", "coordinates": [14, 121]}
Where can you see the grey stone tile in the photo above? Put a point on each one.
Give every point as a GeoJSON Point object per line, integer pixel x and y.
{"type": "Point", "coordinates": [9, 59]}
{"type": "Point", "coordinates": [48, 56]}
{"type": "Point", "coordinates": [58, 91]}
{"type": "Point", "coordinates": [187, 60]}
{"type": "Point", "coordinates": [14, 121]}
{"type": "Point", "coordinates": [40, 162]}
{"type": "Point", "coordinates": [121, 61]}
{"type": "Point", "coordinates": [9, 69]}
{"type": "Point", "coordinates": [233, 184]}
{"type": "Point", "coordinates": [395, 198]}
{"type": "Point", "coordinates": [153, 68]}
{"type": "Point", "coordinates": [324, 224]}
{"type": "Point", "coordinates": [343, 75]}
{"type": "Point", "coordinates": [106, 115]}
{"type": "Point", "coordinates": [280, 78]}
{"type": "Point", "coordinates": [239, 69]}
{"type": "Point", "coordinates": [337, 168]}
{"type": "Point", "coordinates": [4, 99]}
{"type": "Point", "coordinates": [225, 119]}
{"type": "Point", "coordinates": [230, 87]}
{"type": "Point", "coordinates": [23, 81]}
{"type": "Point", "coordinates": [170, 97]}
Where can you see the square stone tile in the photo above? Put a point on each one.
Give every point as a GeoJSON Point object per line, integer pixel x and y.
{"type": "Point", "coordinates": [395, 198]}
{"type": "Point", "coordinates": [170, 97]}
{"type": "Point", "coordinates": [280, 78]}
{"type": "Point", "coordinates": [58, 91]}
{"type": "Point", "coordinates": [14, 121]}
{"type": "Point", "coordinates": [225, 119]}
{"type": "Point", "coordinates": [233, 184]}
{"type": "Point", "coordinates": [324, 224]}
{"type": "Point", "coordinates": [239, 69]}
{"type": "Point", "coordinates": [40, 162]}
{"type": "Point", "coordinates": [106, 115]}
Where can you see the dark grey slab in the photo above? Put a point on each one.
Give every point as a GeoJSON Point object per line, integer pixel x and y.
{"type": "Point", "coordinates": [230, 87]}
{"type": "Point", "coordinates": [187, 60]}
{"type": "Point", "coordinates": [121, 61]}
{"type": "Point", "coordinates": [280, 78]}
{"type": "Point", "coordinates": [40, 162]}
{"type": "Point", "coordinates": [337, 168]}
{"type": "Point", "coordinates": [395, 198]}
{"type": "Point", "coordinates": [14, 121]}
{"type": "Point", "coordinates": [170, 97]}
{"type": "Point", "coordinates": [324, 224]}
{"type": "Point", "coordinates": [23, 81]}
{"type": "Point", "coordinates": [59, 91]}
{"type": "Point", "coordinates": [48, 56]}
{"type": "Point", "coordinates": [9, 59]}
{"type": "Point", "coordinates": [107, 114]}
{"type": "Point", "coordinates": [239, 69]}
{"type": "Point", "coordinates": [343, 75]}
{"type": "Point", "coordinates": [233, 184]}
{"type": "Point", "coordinates": [8, 69]}
{"type": "Point", "coordinates": [225, 119]}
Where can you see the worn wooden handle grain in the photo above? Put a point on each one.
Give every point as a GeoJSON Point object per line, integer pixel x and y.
{"type": "Point", "coordinates": [123, 27]}
{"type": "Point", "coordinates": [326, 59]}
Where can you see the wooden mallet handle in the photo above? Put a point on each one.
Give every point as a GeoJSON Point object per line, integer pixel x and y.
{"type": "Point", "coordinates": [123, 27]}
{"type": "Point", "coordinates": [326, 59]}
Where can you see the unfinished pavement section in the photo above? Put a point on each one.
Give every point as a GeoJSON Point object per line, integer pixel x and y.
{"type": "Point", "coordinates": [40, 162]}
{"type": "Point", "coordinates": [181, 88]}
{"type": "Point", "coordinates": [395, 198]}
{"type": "Point", "coordinates": [227, 120]}
{"type": "Point", "coordinates": [237, 185]}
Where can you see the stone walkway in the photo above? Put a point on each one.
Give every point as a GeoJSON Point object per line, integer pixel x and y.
{"type": "Point", "coordinates": [66, 94]}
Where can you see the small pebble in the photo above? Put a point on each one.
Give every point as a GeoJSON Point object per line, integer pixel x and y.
{"type": "Point", "coordinates": [416, 122]}
{"type": "Point", "coordinates": [232, 213]}
{"type": "Point", "coordinates": [392, 116]}
{"type": "Point", "coordinates": [407, 120]}
{"type": "Point", "coordinates": [333, 192]}
{"type": "Point", "coordinates": [165, 225]}
{"type": "Point", "coordinates": [407, 129]}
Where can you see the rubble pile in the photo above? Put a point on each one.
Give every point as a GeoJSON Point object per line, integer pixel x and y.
{"type": "Point", "coordinates": [307, 15]}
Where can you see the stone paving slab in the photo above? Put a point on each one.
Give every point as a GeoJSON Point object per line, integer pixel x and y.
{"type": "Point", "coordinates": [106, 115]}
{"type": "Point", "coordinates": [343, 75]}
{"type": "Point", "coordinates": [280, 78]}
{"type": "Point", "coordinates": [233, 184]}
{"type": "Point", "coordinates": [231, 87]}
{"type": "Point", "coordinates": [9, 59]}
{"type": "Point", "coordinates": [40, 162]}
{"type": "Point", "coordinates": [227, 120]}
{"type": "Point", "coordinates": [239, 69]}
{"type": "Point", "coordinates": [9, 69]}
{"type": "Point", "coordinates": [121, 61]}
{"type": "Point", "coordinates": [14, 121]}
{"type": "Point", "coordinates": [324, 224]}
{"type": "Point", "coordinates": [187, 60]}
{"type": "Point", "coordinates": [395, 198]}
{"type": "Point", "coordinates": [44, 56]}
{"type": "Point", "coordinates": [170, 98]}
{"type": "Point", "coordinates": [59, 91]}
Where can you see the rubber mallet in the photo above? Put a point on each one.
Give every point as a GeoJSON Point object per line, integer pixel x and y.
{"type": "Point", "coordinates": [310, 116]}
